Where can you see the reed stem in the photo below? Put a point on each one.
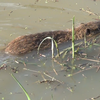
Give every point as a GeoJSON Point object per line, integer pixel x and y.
{"type": "Point", "coordinates": [73, 32]}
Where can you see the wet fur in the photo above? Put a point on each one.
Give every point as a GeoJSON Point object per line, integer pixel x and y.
{"type": "Point", "coordinates": [27, 43]}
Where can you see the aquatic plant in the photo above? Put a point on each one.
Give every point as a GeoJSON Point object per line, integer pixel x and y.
{"type": "Point", "coordinates": [28, 98]}
{"type": "Point", "coordinates": [73, 24]}
{"type": "Point", "coordinates": [52, 45]}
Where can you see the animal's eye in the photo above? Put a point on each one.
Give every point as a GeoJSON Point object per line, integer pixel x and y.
{"type": "Point", "coordinates": [87, 31]}
{"type": "Point", "coordinates": [99, 28]}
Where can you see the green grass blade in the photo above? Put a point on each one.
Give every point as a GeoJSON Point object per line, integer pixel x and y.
{"type": "Point", "coordinates": [57, 48]}
{"type": "Point", "coordinates": [21, 87]}
{"type": "Point", "coordinates": [85, 39]}
{"type": "Point", "coordinates": [73, 36]}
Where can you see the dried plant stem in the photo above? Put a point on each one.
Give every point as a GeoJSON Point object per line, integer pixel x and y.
{"type": "Point", "coordinates": [52, 45]}
{"type": "Point", "coordinates": [53, 78]}
{"type": "Point", "coordinates": [90, 60]}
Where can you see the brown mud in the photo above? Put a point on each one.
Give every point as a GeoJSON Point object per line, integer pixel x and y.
{"type": "Point", "coordinates": [28, 43]}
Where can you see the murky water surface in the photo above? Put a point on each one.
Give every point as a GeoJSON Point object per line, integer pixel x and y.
{"type": "Point", "coordinates": [20, 17]}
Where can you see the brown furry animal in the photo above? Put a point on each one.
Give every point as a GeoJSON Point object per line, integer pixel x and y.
{"type": "Point", "coordinates": [27, 43]}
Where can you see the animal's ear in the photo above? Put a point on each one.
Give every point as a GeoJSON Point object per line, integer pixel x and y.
{"type": "Point", "coordinates": [87, 31]}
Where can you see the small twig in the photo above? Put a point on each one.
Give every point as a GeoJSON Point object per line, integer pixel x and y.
{"type": "Point", "coordinates": [3, 66]}
{"type": "Point", "coordinates": [44, 74]}
{"type": "Point", "coordinates": [89, 12]}
{"type": "Point", "coordinates": [98, 68]}
{"type": "Point", "coordinates": [90, 59]}
{"type": "Point", "coordinates": [20, 62]}
{"type": "Point", "coordinates": [46, 81]}
{"type": "Point", "coordinates": [58, 62]}
{"type": "Point", "coordinates": [53, 78]}
{"type": "Point", "coordinates": [54, 68]}
{"type": "Point", "coordinates": [43, 77]}
{"type": "Point", "coordinates": [95, 98]}
{"type": "Point", "coordinates": [83, 70]}
{"type": "Point", "coordinates": [31, 70]}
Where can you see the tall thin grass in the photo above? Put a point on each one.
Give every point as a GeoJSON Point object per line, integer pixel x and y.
{"type": "Point", "coordinates": [28, 98]}
{"type": "Point", "coordinates": [73, 32]}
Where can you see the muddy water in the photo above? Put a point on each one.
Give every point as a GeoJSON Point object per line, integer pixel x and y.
{"type": "Point", "coordinates": [20, 17]}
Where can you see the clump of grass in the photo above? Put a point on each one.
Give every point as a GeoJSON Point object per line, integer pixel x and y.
{"type": "Point", "coordinates": [52, 46]}
{"type": "Point", "coordinates": [73, 25]}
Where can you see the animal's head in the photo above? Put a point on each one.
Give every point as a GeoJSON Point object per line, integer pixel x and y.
{"type": "Point", "coordinates": [93, 28]}
{"type": "Point", "coordinates": [88, 29]}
